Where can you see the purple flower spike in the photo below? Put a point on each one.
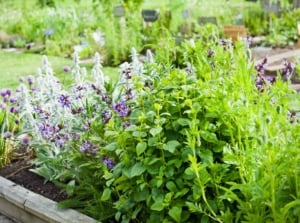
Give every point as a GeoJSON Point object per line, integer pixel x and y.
{"type": "Point", "coordinates": [260, 68]}
{"type": "Point", "coordinates": [3, 92]}
{"type": "Point", "coordinates": [287, 69]}
{"type": "Point", "coordinates": [8, 92]}
{"type": "Point", "coordinates": [210, 53]}
{"type": "Point", "coordinates": [89, 148]}
{"type": "Point", "coordinates": [271, 79]}
{"type": "Point", "coordinates": [13, 110]}
{"type": "Point", "coordinates": [12, 100]}
{"type": "Point", "coordinates": [25, 140]}
{"type": "Point", "coordinates": [7, 135]}
{"type": "Point", "coordinates": [106, 116]}
{"type": "Point", "coordinates": [64, 100]}
{"type": "Point", "coordinates": [30, 80]}
{"type": "Point", "coordinates": [122, 108]}
{"type": "Point", "coordinates": [66, 69]}
{"type": "Point", "coordinates": [249, 40]}
{"type": "Point", "coordinates": [109, 163]}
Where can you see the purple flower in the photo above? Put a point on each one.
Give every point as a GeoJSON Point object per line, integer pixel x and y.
{"type": "Point", "coordinates": [21, 79]}
{"type": "Point", "coordinates": [59, 142]}
{"type": "Point", "coordinates": [30, 80]}
{"type": "Point", "coordinates": [95, 88]}
{"type": "Point", "coordinates": [259, 83]}
{"type": "Point", "coordinates": [260, 68]}
{"type": "Point", "coordinates": [122, 108]}
{"type": "Point", "coordinates": [25, 140]}
{"type": "Point", "coordinates": [75, 136]}
{"type": "Point", "coordinates": [288, 68]}
{"type": "Point", "coordinates": [271, 79]}
{"type": "Point", "coordinates": [106, 116]}
{"type": "Point", "coordinates": [225, 43]}
{"type": "Point", "coordinates": [3, 92]}
{"type": "Point", "coordinates": [46, 130]}
{"type": "Point", "coordinates": [109, 163]}
{"type": "Point", "coordinates": [76, 110]}
{"type": "Point", "coordinates": [88, 148]}
{"type": "Point", "coordinates": [249, 40]}
{"type": "Point", "coordinates": [129, 94]}
{"type": "Point", "coordinates": [66, 69]}
{"type": "Point", "coordinates": [210, 53]}
{"type": "Point", "coordinates": [8, 92]}
{"type": "Point", "coordinates": [222, 42]}
{"type": "Point", "coordinates": [5, 99]}
{"type": "Point", "coordinates": [13, 110]}
{"type": "Point", "coordinates": [7, 135]}
{"type": "Point", "coordinates": [12, 100]}
{"type": "Point", "coordinates": [64, 100]}
{"type": "Point", "coordinates": [127, 72]}
{"type": "Point", "coordinates": [87, 126]}
{"type": "Point", "coordinates": [126, 124]}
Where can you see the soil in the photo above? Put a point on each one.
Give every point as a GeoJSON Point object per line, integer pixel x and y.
{"type": "Point", "coordinates": [19, 172]}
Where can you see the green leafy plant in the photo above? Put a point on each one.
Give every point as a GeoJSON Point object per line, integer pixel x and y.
{"type": "Point", "coordinates": [283, 30]}
{"type": "Point", "coordinates": [9, 123]}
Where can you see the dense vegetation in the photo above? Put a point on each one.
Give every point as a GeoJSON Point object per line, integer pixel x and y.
{"type": "Point", "coordinates": [194, 133]}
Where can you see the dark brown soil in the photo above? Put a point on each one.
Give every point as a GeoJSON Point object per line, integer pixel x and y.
{"type": "Point", "coordinates": [19, 172]}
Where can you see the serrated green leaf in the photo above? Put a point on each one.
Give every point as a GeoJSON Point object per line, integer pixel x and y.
{"type": "Point", "coordinates": [155, 131]}
{"type": "Point", "coordinates": [140, 148]}
{"type": "Point", "coordinates": [175, 213]}
{"type": "Point", "coordinates": [106, 194]}
{"type": "Point", "coordinates": [171, 146]}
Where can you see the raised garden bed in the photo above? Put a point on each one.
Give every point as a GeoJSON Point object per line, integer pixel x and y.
{"type": "Point", "coordinates": [23, 205]}
{"type": "Point", "coordinates": [26, 197]}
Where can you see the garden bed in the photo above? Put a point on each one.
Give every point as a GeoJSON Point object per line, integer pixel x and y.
{"type": "Point", "coordinates": [26, 197]}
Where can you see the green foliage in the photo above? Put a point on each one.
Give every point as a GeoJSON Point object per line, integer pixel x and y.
{"type": "Point", "coordinates": [8, 130]}
{"type": "Point", "coordinates": [283, 30]}
{"type": "Point", "coordinates": [205, 146]}
{"type": "Point", "coordinates": [199, 143]}
{"type": "Point", "coordinates": [256, 21]}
